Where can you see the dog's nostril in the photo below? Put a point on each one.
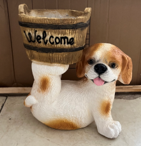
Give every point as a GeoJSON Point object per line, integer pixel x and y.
{"type": "Point", "coordinates": [100, 68]}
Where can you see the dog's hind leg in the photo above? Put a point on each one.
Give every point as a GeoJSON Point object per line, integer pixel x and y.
{"type": "Point", "coordinates": [47, 80]}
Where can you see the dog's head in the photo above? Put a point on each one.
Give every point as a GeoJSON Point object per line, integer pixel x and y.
{"type": "Point", "coordinates": [104, 63]}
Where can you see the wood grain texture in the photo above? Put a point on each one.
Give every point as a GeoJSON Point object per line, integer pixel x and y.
{"type": "Point", "coordinates": [6, 58]}
{"type": "Point", "coordinates": [118, 22]}
{"type": "Point", "coordinates": [26, 90]}
{"type": "Point", "coordinates": [22, 65]}
{"type": "Point", "coordinates": [38, 4]}
{"type": "Point", "coordinates": [64, 4]}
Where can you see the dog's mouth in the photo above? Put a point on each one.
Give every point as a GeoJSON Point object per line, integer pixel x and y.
{"type": "Point", "coordinates": [99, 82]}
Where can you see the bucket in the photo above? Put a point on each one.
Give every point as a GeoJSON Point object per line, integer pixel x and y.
{"type": "Point", "coordinates": [54, 35]}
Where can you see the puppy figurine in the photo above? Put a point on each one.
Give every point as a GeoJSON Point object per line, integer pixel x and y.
{"type": "Point", "coordinates": [69, 105]}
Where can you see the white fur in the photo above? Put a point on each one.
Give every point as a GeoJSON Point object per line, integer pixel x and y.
{"type": "Point", "coordinates": [108, 76]}
{"type": "Point", "coordinates": [30, 101]}
{"type": "Point", "coordinates": [77, 101]}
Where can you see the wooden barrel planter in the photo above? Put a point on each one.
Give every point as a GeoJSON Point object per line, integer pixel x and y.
{"type": "Point", "coordinates": [54, 36]}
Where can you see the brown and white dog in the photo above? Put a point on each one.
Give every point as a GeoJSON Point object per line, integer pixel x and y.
{"type": "Point", "coordinates": [69, 105]}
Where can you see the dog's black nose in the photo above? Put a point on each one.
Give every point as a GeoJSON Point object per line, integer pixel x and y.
{"type": "Point", "coordinates": [100, 68]}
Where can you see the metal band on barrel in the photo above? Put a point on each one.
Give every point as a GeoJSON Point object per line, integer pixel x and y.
{"type": "Point", "coordinates": [52, 50]}
{"type": "Point", "coordinates": [53, 26]}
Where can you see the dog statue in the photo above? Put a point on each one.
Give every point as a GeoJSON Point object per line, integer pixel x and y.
{"type": "Point", "coordinates": [69, 105]}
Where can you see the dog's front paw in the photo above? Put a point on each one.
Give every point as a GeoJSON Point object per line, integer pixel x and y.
{"type": "Point", "coordinates": [111, 130]}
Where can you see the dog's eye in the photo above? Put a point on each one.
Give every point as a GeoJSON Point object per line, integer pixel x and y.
{"type": "Point", "coordinates": [90, 61]}
{"type": "Point", "coordinates": [113, 65]}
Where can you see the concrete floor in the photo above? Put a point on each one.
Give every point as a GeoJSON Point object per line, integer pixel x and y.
{"type": "Point", "coordinates": [19, 128]}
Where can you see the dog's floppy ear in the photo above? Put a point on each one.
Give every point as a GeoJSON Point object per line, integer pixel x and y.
{"type": "Point", "coordinates": [80, 66]}
{"type": "Point", "coordinates": [125, 76]}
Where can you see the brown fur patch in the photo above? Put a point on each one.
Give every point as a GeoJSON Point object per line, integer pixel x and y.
{"type": "Point", "coordinates": [126, 72]}
{"type": "Point", "coordinates": [44, 83]}
{"type": "Point", "coordinates": [62, 124]}
{"type": "Point", "coordinates": [87, 54]}
{"type": "Point", "coordinates": [114, 55]}
{"type": "Point", "coordinates": [105, 107]}
{"type": "Point", "coordinates": [123, 61]}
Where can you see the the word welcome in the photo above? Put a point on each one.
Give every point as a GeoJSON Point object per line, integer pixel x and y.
{"type": "Point", "coordinates": [52, 40]}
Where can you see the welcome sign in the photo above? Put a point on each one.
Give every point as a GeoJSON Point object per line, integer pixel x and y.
{"type": "Point", "coordinates": [51, 39]}
{"type": "Point", "coordinates": [54, 40]}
